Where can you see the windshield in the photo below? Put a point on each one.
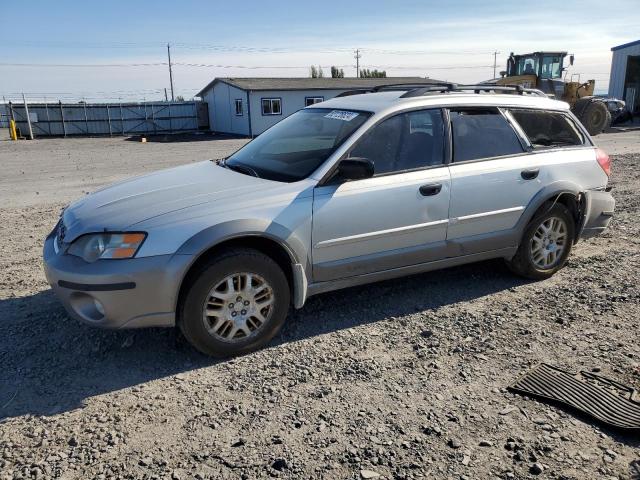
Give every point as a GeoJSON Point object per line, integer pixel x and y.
{"type": "Point", "coordinates": [293, 148]}
{"type": "Point", "coordinates": [551, 66]}
{"type": "Point", "coordinates": [527, 66]}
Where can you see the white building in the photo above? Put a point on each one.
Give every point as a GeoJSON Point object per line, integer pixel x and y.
{"type": "Point", "coordinates": [248, 106]}
{"type": "Point", "coordinates": [624, 79]}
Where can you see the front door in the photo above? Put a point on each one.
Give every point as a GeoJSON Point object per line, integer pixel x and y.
{"type": "Point", "coordinates": [396, 218]}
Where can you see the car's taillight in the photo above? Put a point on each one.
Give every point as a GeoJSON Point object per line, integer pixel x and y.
{"type": "Point", "coordinates": [604, 161]}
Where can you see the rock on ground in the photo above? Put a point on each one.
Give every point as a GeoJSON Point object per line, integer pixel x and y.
{"type": "Point", "coordinates": [352, 385]}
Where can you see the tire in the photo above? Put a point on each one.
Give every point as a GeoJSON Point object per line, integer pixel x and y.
{"type": "Point", "coordinates": [528, 258]}
{"type": "Point", "coordinates": [594, 115]}
{"type": "Point", "coordinates": [223, 319]}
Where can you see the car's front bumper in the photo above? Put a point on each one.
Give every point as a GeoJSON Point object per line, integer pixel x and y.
{"type": "Point", "coordinates": [598, 212]}
{"type": "Point", "coordinates": [131, 293]}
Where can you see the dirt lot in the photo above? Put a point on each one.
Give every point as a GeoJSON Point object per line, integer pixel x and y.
{"type": "Point", "coordinates": [402, 379]}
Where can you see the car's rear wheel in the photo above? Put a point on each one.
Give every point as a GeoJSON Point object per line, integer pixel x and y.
{"type": "Point", "coordinates": [546, 243]}
{"type": "Point", "coordinates": [235, 303]}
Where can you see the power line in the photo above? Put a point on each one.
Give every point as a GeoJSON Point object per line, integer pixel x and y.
{"type": "Point", "coordinates": [80, 44]}
{"type": "Point", "coordinates": [84, 65]}
{"type": "Point", "coordinates": [423, 52]}
{"type": "Point", "coordinates": [211, 65]}
{"type": "Point", "coordinates": [288, 67]}
{"type": "Point", "coordinates": [233, 48]}
{"type": "Point", "coordinates": [170, 72]}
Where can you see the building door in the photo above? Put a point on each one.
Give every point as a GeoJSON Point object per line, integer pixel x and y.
{"type": "Point", "coordinates": [632, 84]}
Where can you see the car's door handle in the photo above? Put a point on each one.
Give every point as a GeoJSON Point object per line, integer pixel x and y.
{"type": "Point", "coordinates": [430, 189]}
{"type": "Point", "coordinates": [530, 174]}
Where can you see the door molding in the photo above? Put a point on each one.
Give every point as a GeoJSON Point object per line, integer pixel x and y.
{"type": "Point", "coordinates": [378, 234]}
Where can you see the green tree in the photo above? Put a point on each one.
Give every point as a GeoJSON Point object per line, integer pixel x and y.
{"type": "Point", "coordinates": [316, 72]}
{"type": "Point", "coordinates": [337, 72]}
{"type": "Point", "coordinates": [366, 73]}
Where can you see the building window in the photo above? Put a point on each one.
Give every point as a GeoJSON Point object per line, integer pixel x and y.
{"type": "Point", "coordinates": [239, 111]}
{"type": "Point", "coordinates": [271, 106]}
{"type": "Point", "coordinates": [311, 100]}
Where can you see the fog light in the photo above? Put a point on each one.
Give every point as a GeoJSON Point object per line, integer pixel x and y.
{"type": "Point", "coordinates": [99, 307]}
{"type": "Point", "coordinates": [86, 307]}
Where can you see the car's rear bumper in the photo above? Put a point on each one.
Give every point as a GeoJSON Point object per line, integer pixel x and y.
{"type": "Point", "coordinates": [598, 212]}
{"type": "Point", "coordinates": [131, 293]}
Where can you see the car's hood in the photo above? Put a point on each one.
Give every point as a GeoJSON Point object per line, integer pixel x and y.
{"type": "Point", "coordinates": [127, 203]}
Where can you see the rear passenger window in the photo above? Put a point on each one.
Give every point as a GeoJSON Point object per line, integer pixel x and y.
{"type": "Point", "coordinates": [482, 133]}
{"type": "Point", "coordinates": [547, 129]}
{"type": "Point", "coordinates": [406, 141]}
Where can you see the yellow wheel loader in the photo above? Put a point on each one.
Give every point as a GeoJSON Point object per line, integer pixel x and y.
{"type": "Point", "coordinates": [545, 71]}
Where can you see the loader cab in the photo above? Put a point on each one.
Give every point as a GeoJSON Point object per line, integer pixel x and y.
{"type": "Point", "coordinates": [544, 65]}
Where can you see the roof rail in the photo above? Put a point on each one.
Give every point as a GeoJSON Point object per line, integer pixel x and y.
{"type": "Point", "coordinates": [391, 87]}
{"type": "Point", "coordinates": [409, 86]}
{"type": "Point", "coordinates": [357, 91]}
{"type": "Point", "coordinates": [420, 89]}
{"type": "Point", "coordinates": [452, 87]}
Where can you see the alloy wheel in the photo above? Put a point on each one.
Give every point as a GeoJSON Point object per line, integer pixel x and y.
{"type": "Point", "coordinates": [238, 307]}
{"type": "Point", "coordinates": [548, 243]}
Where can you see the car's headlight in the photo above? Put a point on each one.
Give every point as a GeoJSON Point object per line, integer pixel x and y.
{"type": "Point", "coordinates": [97, 246]}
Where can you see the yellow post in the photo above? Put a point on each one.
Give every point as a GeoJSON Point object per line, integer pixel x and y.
{"type": "Point", "coordinates": [12, 130]}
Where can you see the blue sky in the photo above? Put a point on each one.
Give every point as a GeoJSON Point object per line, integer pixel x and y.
{"type": "Point", "coordinates": [451, 40]}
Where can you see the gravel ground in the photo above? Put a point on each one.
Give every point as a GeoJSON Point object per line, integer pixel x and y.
{"type": "Point", "coordinates": [401, 379]}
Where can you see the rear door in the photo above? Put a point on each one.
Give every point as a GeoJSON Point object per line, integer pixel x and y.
{"type": "Point", "coordinates": [493, 179]}
{"type": "Point", "coordinates": [396, 218]}
{"type": "Point", "coordinates": [563, 152]}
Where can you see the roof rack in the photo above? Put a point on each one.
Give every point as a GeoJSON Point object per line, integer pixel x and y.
{"type": "Point", "coordinates": [453, 87]}
{"type": "Point", "coordinates": [358, 91]}
{"type": "Point", "coordinates": [412, 86]}
{"type": "Point", "coordinates": [420, 89]}
{"type": "Point", "coordinates": [391, 87]}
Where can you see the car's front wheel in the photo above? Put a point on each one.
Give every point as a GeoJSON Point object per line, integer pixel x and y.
{"type": "Point", "coordinates": [546, 243]}
{"type": "Point", "coordinates": [235, 303]}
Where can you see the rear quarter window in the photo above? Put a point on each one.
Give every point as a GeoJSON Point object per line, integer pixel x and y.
{"type": "Point", "coordinates": [548, 129]}
{"type": "Point", "coordinates": [482, 133]}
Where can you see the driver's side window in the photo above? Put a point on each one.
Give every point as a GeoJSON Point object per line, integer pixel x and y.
{"type": "Point", "coordinates": [407, 141]}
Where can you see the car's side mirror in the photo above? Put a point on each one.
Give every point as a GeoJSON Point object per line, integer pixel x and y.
{"type": "Point", "coordinates": [356, 168]}
{"type": "Point", "coordinates": [571, 59]}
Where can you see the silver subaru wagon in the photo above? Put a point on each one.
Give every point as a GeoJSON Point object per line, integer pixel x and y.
{"type": "Point", "coordinates": [357, 189]}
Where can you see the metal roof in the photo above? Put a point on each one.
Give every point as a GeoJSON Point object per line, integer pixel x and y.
{"type": "Point", "coordinates": [625, 45]}
{"type": "Point", "coordinates": [544, 52]}
{"type": "Point", "coordinates": [302, 83]}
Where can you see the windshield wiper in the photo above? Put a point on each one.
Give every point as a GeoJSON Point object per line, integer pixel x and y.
{"type": "Point", "coordinates": [238, 167]}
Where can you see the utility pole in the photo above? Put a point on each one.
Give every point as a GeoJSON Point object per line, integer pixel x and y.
{"type": "Point", "coordinates": [495, 63]}
{"type": "Point", "coordinates": [170, 72]}
{"type": "Point", "coordinates": [166, 99]}
{"type": "Point", "coordinates": [358, 57]}
{"type": "Point", "coordinates": [26, 112]}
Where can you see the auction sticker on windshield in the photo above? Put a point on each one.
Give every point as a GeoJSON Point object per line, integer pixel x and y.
{"type": "Point", "coordinates": [341, 115]}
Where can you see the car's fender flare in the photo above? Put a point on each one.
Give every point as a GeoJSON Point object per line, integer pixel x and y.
{"type": "Point", "coordinates": [206, 239]}
{"type": "Point", "coordinates": [549, 192]}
